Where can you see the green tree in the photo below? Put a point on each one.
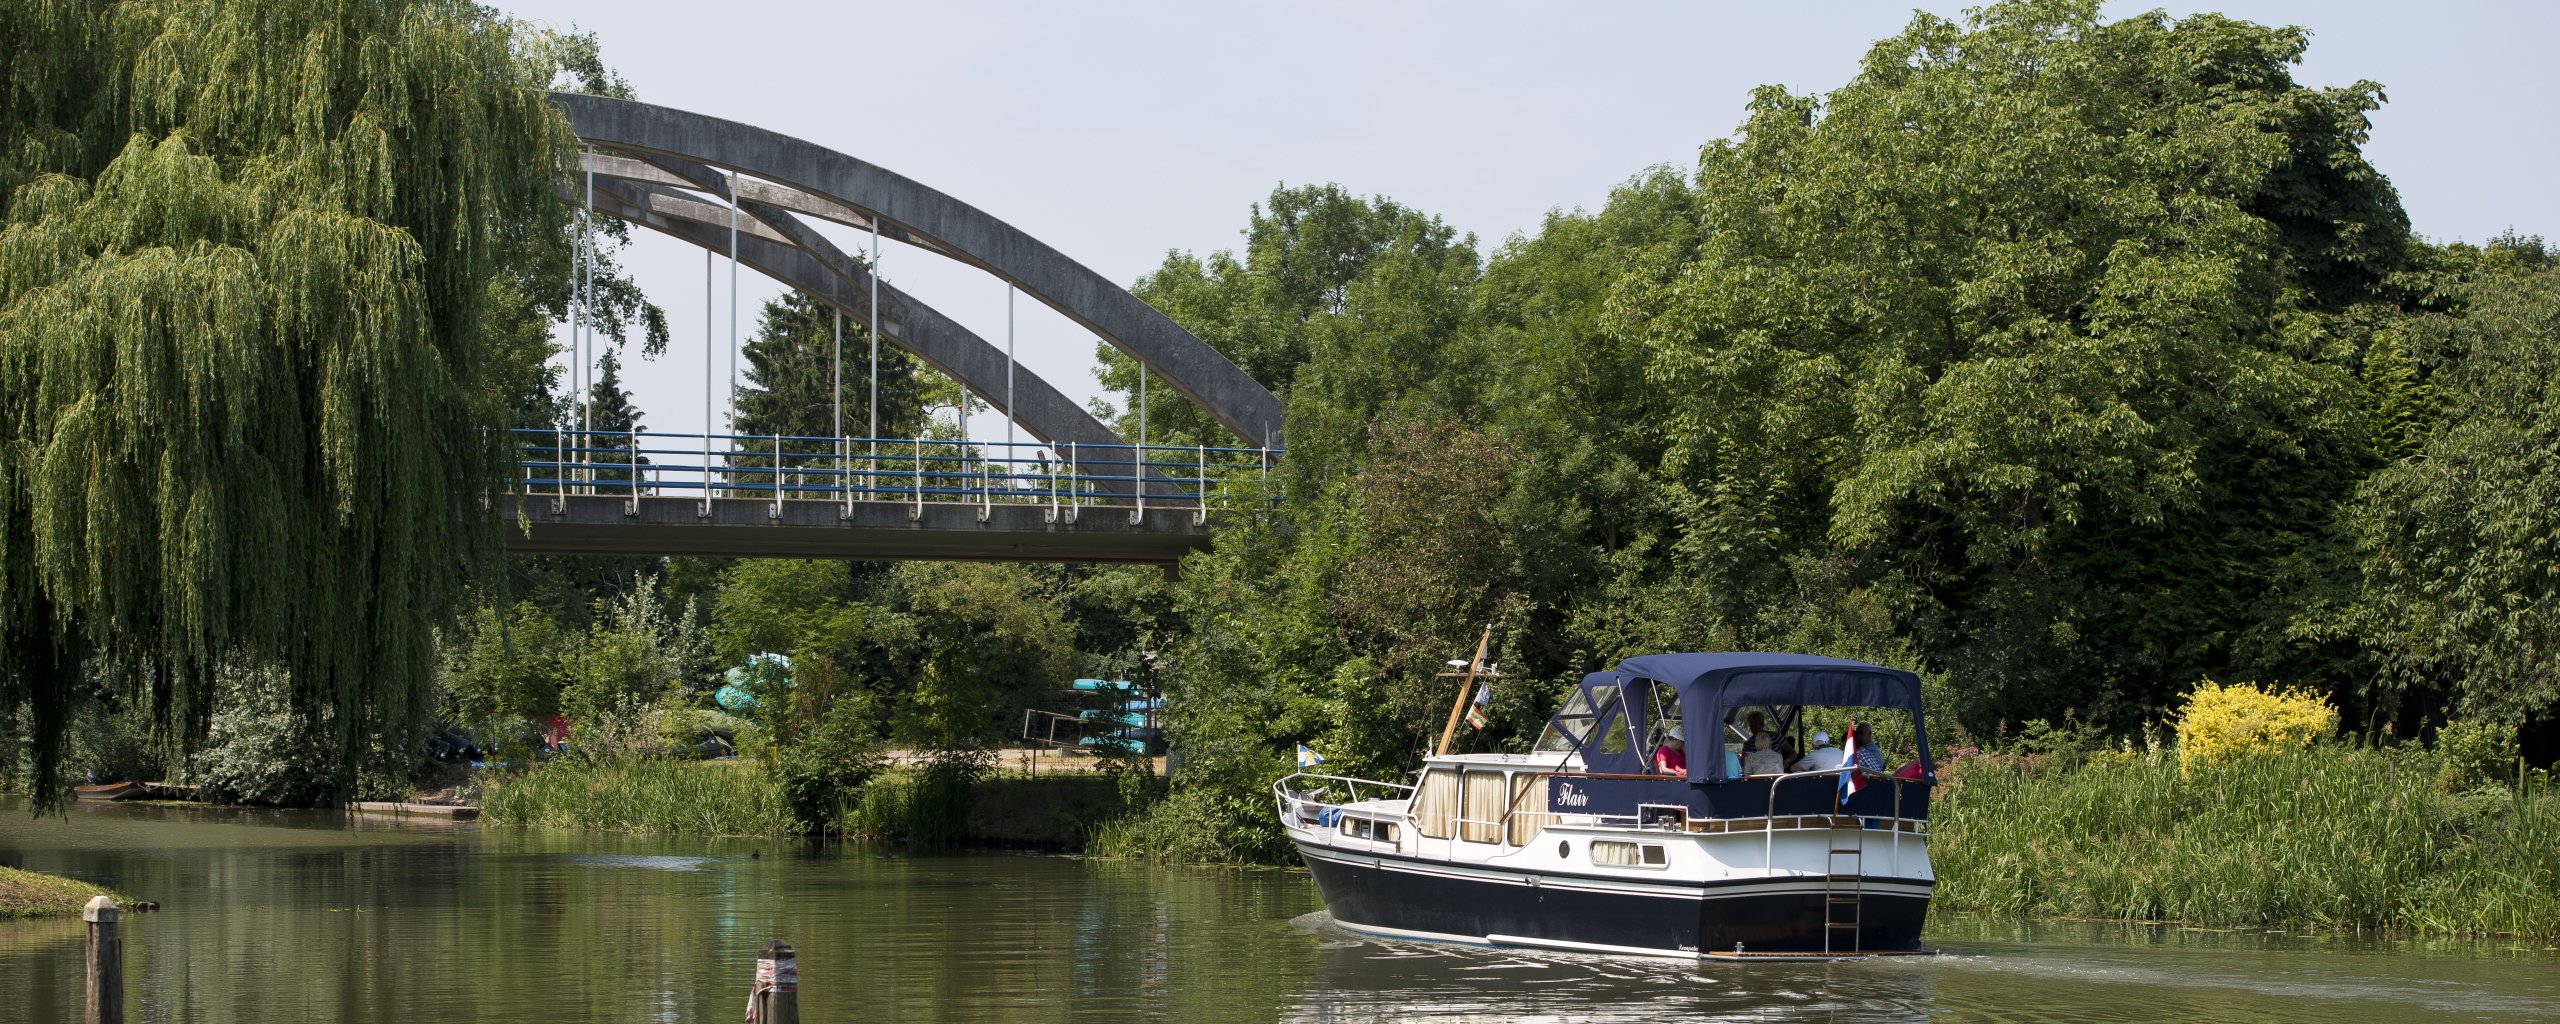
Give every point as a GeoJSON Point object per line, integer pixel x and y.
{"type": "Point", "coordinates": [988, 639]}
{"type": "Point", "coordinates": [1307, 251]}
{"type": "Point", "coordinates": [503, 671]}
{"type": "Point", "coordinates": [2027, 322]}
{"type": "Point", "coordinates": [268, 272]}
{"type": "Point", "coordinates": [2454, 543]}
{"type": "Point", "coordinates": [791, 371]}
{"type": "Point", "coordinates": [637, 652]}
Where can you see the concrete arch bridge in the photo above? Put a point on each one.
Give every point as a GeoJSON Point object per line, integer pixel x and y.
{"type": "Point", "coordinates": [1078, 492]}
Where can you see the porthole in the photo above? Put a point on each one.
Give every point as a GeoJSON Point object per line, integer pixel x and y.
{"type": "Point", "coordinates": [1564, 848]}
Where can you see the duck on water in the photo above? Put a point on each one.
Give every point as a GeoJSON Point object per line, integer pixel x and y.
{"type": "Point", "coordinates": [1580, 845]}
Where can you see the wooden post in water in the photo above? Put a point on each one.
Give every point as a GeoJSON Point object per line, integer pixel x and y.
{"type": "Point", "coordinates": [775, 999]}
{"type": "Point", "coordinates": [106, 963]}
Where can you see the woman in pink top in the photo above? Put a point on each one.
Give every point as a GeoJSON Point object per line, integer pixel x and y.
{"type": "Point", "coordinates": [1669, 758]}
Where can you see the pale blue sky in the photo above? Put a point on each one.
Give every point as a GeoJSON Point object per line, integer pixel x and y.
{"type": "Point", "coordinates": [1116, 132]}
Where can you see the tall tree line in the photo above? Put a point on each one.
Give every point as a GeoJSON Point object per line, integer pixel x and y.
{"type": "Point", "coordinates": [2066, 361]}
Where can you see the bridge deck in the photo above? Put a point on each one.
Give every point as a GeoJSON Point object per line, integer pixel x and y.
{"type": "Point", "coordinates": [606, 524]}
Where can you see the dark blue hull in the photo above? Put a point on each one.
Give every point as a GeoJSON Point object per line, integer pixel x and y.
{"type": "Point", "coordinates": [1431, 900]}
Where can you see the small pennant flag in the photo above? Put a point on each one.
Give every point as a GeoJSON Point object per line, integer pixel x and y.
{"type": "Point", "coordinates": [1308, 758]}
{"type": "Point", "coordinates": [1477, 716]}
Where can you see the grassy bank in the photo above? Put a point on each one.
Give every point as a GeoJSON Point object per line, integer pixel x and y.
{"type": "Point", "coordinates": [680, 797]}
{"type": "Point", "coordinates": [740, 798]}
{"type": "Point", "coordinates": [2331, 837]}
{"type": "Point", "coordinates": [29, 894]}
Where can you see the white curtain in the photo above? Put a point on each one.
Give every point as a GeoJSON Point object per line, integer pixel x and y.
{"type": "Point", "coordinates": [1527, 809]}
{"type": "Point", "coordinates": [1486, 796]}
{"type": "Point", "coordinates": [1435, 806]}
{"type": "Point", "coordinates": [1615, 854]}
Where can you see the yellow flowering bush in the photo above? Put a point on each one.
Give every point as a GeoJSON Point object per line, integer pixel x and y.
{"type": "Point", "coordinates": [2218, 722]}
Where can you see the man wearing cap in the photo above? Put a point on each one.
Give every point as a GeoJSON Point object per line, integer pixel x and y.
{"type": "Point", "coordinates": [1823, 757]}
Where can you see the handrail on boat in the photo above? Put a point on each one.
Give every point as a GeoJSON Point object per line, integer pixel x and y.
{"type": "Point", "coordinates": [1289, 798]}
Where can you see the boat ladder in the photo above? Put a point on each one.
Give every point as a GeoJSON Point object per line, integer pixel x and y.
{"type": "Point", "coordinates": [1844, 894]}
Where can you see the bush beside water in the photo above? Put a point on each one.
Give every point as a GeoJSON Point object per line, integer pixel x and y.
{"type": "Point", "coordinates": [951, 801]}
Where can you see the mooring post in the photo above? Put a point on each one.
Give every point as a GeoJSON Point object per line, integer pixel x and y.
{"type": "Point", "coordinates": [106, 963]}
{"type": "Point", "coordinates": [775, 999]}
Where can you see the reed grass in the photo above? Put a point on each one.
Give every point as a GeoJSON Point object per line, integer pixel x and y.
{"type": "Point", "coordinates": [643, 795]}
{"type": "Point", "coordinates": [2331, 837]}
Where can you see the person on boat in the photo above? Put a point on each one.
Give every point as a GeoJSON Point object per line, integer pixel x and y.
{"type": "Point", "coordinates": [1764, 760]}
{"type": "Point", "coordinates": [1911, 769]}
{"type": "Point", "coordinates": [1759, 737]}
{"type": "Point", "coordinates": [1760, 754]}
{"type": "Point", "coordinates": [1732, 763]}
{"type": "Point", "coordinates": [1869, 757]}
{"type": "Point", "coordinates": [1671, 757]}
{"type": "Point", "coordinates": [1823, 757]}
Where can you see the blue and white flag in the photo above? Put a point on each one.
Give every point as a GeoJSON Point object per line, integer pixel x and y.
{"type": "Point", "coordinates": [1308, 758]}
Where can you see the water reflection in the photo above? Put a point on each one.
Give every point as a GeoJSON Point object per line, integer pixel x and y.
{"type": "Point", "coordinates": [289, 916]}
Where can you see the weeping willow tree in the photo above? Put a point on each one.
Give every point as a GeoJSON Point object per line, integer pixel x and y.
{"type": "Point", "coordinates": [268, 272]}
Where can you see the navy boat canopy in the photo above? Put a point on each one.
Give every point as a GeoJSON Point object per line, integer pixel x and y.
{"type": "Point", "coordinates": [1710, 684]}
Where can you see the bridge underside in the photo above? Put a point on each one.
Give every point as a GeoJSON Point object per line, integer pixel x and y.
{"type": "Point", "coordinates": [604, 524]}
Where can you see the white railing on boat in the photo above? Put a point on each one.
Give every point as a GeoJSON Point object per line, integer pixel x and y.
{"type": "Point", "coordinates": [1305, 807]}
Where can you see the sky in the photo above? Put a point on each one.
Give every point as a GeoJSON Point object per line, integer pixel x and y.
{"type": "Point", "coordinates": [1119, 132]}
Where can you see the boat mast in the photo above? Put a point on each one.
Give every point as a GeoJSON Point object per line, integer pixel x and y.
{"type": "Point", "coordinates": [1464, 689]}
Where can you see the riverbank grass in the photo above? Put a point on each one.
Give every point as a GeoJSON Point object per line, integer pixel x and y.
{"type": "Point", "coordinates": [2328, 837]}
{"type": "Point", "coordinates": [703, 798]}
{"type": "Point", "coordinates": [906, 803]}
{"type": "Point", "coordinates": [31, 894]}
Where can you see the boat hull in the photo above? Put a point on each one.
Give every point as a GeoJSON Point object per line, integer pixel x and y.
{"type": "Point", "coordinates": [1425, 899]}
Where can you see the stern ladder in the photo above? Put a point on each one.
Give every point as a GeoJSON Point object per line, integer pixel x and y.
{"type": "Point", "coordinates": [1844, 893]}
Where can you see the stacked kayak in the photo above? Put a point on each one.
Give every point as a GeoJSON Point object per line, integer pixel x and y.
{"type": "Point", "coordinates": [1128, 723]}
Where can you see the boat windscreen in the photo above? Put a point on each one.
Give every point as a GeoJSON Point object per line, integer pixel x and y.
{"type": "Point", "coordinates": [1566, 731]}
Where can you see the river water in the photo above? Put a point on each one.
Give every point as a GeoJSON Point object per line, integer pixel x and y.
{"type": "Point", "coordinates": [311, 916]}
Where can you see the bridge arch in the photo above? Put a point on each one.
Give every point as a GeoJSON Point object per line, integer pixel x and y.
{"type": "Point", "coordinates": [672, 171]}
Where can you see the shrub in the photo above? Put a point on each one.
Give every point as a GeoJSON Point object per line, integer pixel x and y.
{"type": "Point", "coordinates": [2219, 723]}
{"type": "Point", "coordinates": [2476, 753]}
{"type": "Point", "coordinates": [261, 750]}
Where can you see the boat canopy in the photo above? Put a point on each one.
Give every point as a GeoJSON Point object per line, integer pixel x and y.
{"type": "Point", "coordinates": [1710, 684]}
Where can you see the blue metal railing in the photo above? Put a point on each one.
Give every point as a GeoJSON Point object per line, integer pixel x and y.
{"type": "Point", "coordinates": [559, 462]}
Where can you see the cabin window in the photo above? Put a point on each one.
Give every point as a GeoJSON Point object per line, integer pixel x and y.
{"type": "Point", "coordinates": [1613, 736]}
{"type": "Point", "coordinates": [1364, 828]}
{"type": "Point", "coordinates": [1435, 804]}
{"type": "Point", "coordinates": [1612, 853]}
{"type": "Point", "coordinates": [1573, 724]}
{"type": "Point", "coordinates": [1525, 822]}
{"type": "Point", "coordinates": [1485, 800]}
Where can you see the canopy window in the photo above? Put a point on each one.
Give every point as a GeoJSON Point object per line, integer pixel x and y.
{"type": "Point", "coordinates": [1711, 685]}
{"type": "Point", "coordinates": [1571, 727]}
{"type": "Point", "coordinates": [1662, 717]}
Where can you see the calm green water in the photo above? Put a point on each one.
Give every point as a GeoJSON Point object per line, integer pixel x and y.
{"type": "Point", "coordinates": [293, 916]}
